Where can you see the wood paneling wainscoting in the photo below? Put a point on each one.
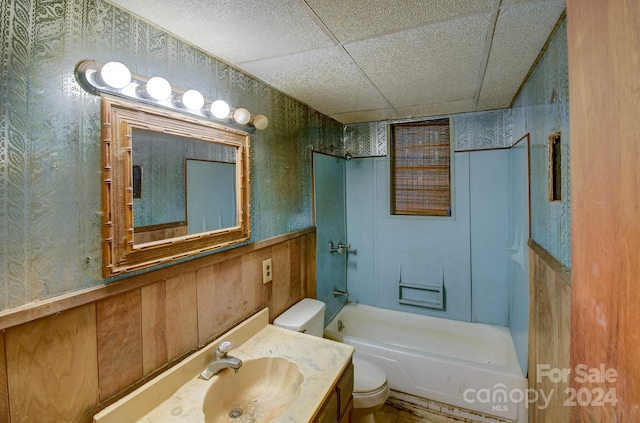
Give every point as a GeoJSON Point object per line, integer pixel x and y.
{"type": "Point", "coordinates": [64, 359]}
{"type": "Point", "coordinates": [549, 334]}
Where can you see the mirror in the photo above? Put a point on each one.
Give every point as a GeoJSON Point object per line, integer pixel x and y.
{"type": "Point", "coordinates": [173, 186]}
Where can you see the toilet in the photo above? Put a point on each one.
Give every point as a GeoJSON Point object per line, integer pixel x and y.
{"type": "Point", "coordinates": [370, 388]}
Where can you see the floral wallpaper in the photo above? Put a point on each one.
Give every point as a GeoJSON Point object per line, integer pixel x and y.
{"type": "Point", "coordinates": [472, 131]}
{"type": "Point", "coordinates": [542, 110]}
{"type": "Point", "coordinates": [50, 129]}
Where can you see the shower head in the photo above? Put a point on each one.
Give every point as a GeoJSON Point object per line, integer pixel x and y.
{"type": "Point", "coordinates": [345, 154]}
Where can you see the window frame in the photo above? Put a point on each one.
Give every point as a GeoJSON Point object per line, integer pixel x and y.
{"type": "Point", "coordinates": [555, 167]}
{"type": "Point", "coordinates": [390, 164]}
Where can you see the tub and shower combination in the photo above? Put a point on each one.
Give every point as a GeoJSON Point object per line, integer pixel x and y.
{"type": "Point", "coordinates": [471, 366]}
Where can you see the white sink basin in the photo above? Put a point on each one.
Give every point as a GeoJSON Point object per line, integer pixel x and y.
{"type": "Point", "coordinates": [260, 390]}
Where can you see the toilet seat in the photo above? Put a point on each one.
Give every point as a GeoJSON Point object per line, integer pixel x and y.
{"type": "Point", "coordinates": [371, 399]}
{"type": "Point", "coordinates": [367, 377]}
{"type": "Point", "coordinates": [370, 388]}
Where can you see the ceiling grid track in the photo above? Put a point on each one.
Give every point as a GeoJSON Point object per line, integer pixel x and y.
{"type": "Point", "coordinates": [495, 10]}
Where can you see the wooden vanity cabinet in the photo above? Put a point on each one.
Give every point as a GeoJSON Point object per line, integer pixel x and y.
{"type": "Point", "coordinates": [337, 407]}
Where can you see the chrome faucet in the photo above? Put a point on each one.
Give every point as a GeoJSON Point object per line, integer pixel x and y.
{"type": "Point", "coordinates": [338, 293]}
{"type": "Point", "coordinates": [342, 247]}
{"type": "Point", "coordinates": [221, 361]}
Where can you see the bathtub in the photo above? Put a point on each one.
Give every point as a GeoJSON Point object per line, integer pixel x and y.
{"type": "Point", "coordinates": [467, 365]}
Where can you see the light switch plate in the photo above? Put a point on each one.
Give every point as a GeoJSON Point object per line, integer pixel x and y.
{"type": "Point", "coordinates": [267, 271]}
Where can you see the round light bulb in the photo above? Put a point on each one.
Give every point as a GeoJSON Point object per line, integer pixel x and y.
{"type": "Point", "coordinates": [115, 74]}
{"type": "Point", "coordinates": [158, 88]}
{"type": "Point", "coordinates": [260, 122]}
{"type": "Point", "coordinates": [220, 109]}
{"type": "Point", "coordinates": [192, 100]}
{"type": "Point", "coordinates": [242, 116]}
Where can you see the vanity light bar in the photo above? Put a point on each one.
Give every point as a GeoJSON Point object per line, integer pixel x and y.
{"type": "Point", "coordinates": [115, 78]}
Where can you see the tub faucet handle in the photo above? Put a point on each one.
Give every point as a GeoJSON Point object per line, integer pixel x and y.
{"type": "Point", "coordinates": [342, 245]}
{"type": "Point", "coordinates": [333, 249]}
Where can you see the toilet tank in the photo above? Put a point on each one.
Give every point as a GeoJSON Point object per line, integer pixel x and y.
{"type": "Point", "coordinates": [305, 316]}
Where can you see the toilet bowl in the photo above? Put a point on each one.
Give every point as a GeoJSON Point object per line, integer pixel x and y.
{"type": "Point", "coordinates": [370, 388]}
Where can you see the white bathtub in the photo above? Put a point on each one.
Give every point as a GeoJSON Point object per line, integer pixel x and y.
{"type": "Point", "coordinates": [468, 365]}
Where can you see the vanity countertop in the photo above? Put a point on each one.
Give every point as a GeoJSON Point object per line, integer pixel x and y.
{"type": "Point", "coordinates": [177, 395]}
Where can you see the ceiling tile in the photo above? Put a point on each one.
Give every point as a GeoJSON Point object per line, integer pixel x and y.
{"type": "Point", "coordinates": [521, 32]}
{"type": "Point", "coordinates": [235, 31]}
{"type": "Point", "coordinates": [359, 19]}
{"type": "Point", "coordinates": [433, 64]}
{"type": "Point", "coordinates": [307, 76]}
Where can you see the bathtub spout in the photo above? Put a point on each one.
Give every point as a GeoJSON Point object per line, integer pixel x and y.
{"type": "Point", "coordinates": [337, 293]}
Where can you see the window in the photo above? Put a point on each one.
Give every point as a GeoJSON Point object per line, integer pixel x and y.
{"type": "Point", "coordinates": [420, 155]}
{"type": "Point", "coordinates": [555, 168]}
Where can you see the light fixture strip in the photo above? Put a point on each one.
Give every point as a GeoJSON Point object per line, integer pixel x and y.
{"type": "Point", "coordinates": [87, 74]}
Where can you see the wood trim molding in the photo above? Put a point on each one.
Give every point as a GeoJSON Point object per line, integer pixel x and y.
{"type": "Point", "coordinates": [479, 150]}
{"type": "Point", "coordinates": [561, 270]}
{"type": "Point", "coordinates": [38, 309]}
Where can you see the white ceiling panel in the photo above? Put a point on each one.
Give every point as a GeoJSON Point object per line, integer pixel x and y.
{"type": "Point", "coordinates": [235, 31]}
{"type": "Point", "coordinates": [301, 74]}
{"type": "Point", "coordinates": [433, 64]}
{"type": "Point", "coordinates": [519, 34]}
{"type": "Point", "coordinates": [358, 19]}
{"type": "Point", "coordinates": [370, 60]}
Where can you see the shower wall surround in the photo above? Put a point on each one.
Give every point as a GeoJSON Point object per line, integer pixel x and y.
{"type": "Point", "coordinates": [50, 132]}
{"type": "Point", "coordinates": [467, 253]}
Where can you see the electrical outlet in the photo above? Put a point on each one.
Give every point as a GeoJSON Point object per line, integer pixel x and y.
{"type": "Point", "coordinates": [267, 271]}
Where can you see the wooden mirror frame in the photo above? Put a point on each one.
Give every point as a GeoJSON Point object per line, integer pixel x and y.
{"type": "Point", "coordinates": [119, 253]}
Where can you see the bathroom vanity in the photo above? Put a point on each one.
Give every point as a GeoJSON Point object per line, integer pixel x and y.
{"type": "Point", "coordinates": [340, 400]}
{"type": "Point", "coordinates": [285, 376]}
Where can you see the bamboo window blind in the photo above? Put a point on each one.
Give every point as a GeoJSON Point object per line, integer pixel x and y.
{"type": "Point", "coordinates": [421, 168]}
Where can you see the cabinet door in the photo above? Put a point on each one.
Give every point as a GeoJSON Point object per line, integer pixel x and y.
{"type": "Point", "coordinates": [346, 418]}
{"type": "Point", "coordinates": [329, 411]}
{"type": "Point", "coordinates": [344, 388]}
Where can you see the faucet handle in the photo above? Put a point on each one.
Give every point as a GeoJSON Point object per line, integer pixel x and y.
{"type": "Point", "coordinates": [344, 245]}
{"type": "Point", "coordinates": [223, 348]}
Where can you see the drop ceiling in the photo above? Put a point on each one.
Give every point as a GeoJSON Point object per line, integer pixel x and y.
{"type": "Point", "coordinates": [370, 60]}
